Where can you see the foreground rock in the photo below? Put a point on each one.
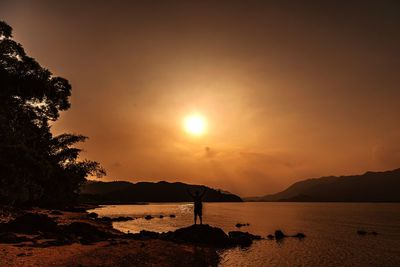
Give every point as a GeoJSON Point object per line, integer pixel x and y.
{"type": "Point", "coordinates": [86, 233]}
{"type": "Point", "coordinates": [90, 229]}
{"type": "Point", "coordinates": [205, 235]}
{"type": "Point", "coordinates": [154, 252]}
{"type": "Point", "coordinates": [32, 223]}
{"type": "Point", "coordinates": [201, 234]}
{"type": "Point", "coordinates": [243, 239]}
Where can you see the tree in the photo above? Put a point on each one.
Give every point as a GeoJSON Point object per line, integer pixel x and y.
{"type": "Point", "coordinates": [35, 166]}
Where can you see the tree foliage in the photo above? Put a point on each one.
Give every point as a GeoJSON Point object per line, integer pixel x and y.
{"type": "Point", "coordinates": [35, 166]}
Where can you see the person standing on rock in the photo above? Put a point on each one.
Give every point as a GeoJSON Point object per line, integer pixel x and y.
{"type": "Point", "coordinates": [198, 205]}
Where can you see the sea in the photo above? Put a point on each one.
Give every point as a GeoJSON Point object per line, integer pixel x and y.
{"type": "Point", "coordinates": [330, 229]}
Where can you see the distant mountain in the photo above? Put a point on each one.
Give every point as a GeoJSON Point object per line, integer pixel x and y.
{"type": "Point", "coordinates": [126, 192]}
{"type": "Point", "coordinates": [368, 187]}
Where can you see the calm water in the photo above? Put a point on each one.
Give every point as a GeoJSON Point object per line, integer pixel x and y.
{"type": "Point", "coordinates": [330, 228]}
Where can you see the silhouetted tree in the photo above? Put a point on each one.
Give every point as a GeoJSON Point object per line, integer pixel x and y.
{"type": "Point", "coordinates": [35, 166]}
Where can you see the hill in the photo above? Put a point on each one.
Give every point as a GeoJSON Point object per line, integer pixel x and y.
{"type": "Point", "coordinates": [368, 187]}
{"type": "Point", "coordinates": [126, 192]}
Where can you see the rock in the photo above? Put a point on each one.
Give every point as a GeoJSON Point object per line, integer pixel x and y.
{"type": "Point", "coordinates": [105, 219]}
{"type": "Point", "coordinates": [86, 233]}
{"type": "Point", "coordinates": [242, 238]}
{"type": "Point", "coordinates": [361, 232]}
{"type": "Point", "coordinates": [121, 219]}
{"type": "Point", "coordinates": [239, 233]}
{"type": "Point", "coordinates": [161, 216]}
{"type": "Point", "coordinates": [172, 216]}
{"type": "Point", "coordinates": [11, 238]}
{"type": "Point", "coordinates": [202, 234]}
{"type": "Point", "coordinates": [238, 225]}
{"type": "Point", "coordinates": [148, 217]}
{"type": "Point", "coordinates": [93, 215]}
{"type": "Point", "coordinates": [279, 234]}
{"type": "Point", "coordinates": [56, 212]}
{"type": "Point", "coordinates": [270, 237]}
{"type": "Point", "coordinates": [144, 235]}
{"type": "Point", "coordinates": [299, 235]}
{"type": "Point", "coordinates": [32, 223]}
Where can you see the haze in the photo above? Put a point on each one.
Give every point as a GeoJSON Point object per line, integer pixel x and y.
{"type": "Point", "coordinates": [289, 90]}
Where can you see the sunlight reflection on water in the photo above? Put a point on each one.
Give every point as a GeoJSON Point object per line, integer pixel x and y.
{"type": "Point", "coordinates": [330, 228]}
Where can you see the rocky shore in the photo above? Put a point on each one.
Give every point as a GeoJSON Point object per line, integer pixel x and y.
{"type": "Point", "coordinates": [41, 237]}
{"type": "Point", "coordinates": [73, 237]}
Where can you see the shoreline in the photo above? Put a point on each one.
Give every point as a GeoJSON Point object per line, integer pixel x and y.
{"type": "Point", "coordinates": [115, 251]}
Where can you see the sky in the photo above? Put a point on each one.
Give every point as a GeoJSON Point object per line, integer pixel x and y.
{"type": "Point", "coordinates": [289, 89]}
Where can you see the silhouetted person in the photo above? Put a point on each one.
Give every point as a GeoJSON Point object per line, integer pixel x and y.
{"type": "Point", "coordinates": [198, 205]}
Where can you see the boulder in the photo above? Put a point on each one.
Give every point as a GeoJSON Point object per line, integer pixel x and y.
{"type": "Point", "coordinates": [239, 233]}
{"type": "Point", "coordinates": [361, 232]}
{"type": "Point", "coordinates": [172, 216]}
{"type": "Point", "coordinates": [145, 235]}
{"type": "Point", "coordinates": [148, 217]}
{"type": "Point", "coordinates": [122, 219]}
{"type": "Point", "coordinates": [86, 233]}
{"type": "Point", "coordinates": [202, 234]}
{"type": "Point", "coordinates": [32, 223]}
{"type": "Point", "coordinates": [105, 219]}
{"type": "Point", "coordinates": [242, 238]}
{"type": "Point", "coordinates": [279, 235]}
{"type": "Point", "coordinates": [270, 237]}
{"type": "Point", "coordinates": [161, 216]}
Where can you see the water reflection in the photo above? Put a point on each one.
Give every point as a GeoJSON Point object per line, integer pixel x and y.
{"type": "Point", "coordinates": [330, 229]}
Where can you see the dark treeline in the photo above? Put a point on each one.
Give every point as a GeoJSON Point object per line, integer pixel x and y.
{"type": "Point", "coordinates": [127, 193]}
{"type": "Point", "coordinates": [36, 168]}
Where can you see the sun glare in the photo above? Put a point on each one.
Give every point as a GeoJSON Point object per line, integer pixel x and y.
{"type": "Point", "coordinates": [195, 124]}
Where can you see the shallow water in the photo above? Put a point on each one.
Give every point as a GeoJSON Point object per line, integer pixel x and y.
{"type": "Point", "coordinates": [330, 229]}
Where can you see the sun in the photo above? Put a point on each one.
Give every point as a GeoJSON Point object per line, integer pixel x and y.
{"type": "Point", "coordinates": [195, 124]}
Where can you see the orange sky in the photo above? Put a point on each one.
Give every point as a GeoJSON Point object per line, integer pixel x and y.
{"type": "Point", "coordinates": [289, 91]}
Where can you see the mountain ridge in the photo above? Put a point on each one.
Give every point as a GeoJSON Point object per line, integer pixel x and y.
{"type": "Point", "coordinates": [368, 187]}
